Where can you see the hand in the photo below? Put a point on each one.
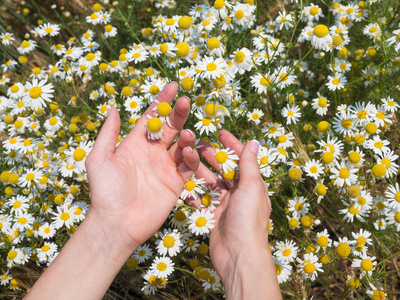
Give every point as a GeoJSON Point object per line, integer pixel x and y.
{"type": "Point", "coordinates": [134, 187]}
{"type": "Point", "coordinates": [239, 241]}
{"type": "Point", "coordinates": [241, 220]}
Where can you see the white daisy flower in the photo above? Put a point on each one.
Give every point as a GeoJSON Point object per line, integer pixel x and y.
{"type": "Point", "coordinates": [162, 266]}
{"type": "Point", "coordinates": [143, 253]}
{"type": "Point", "coordinates": [169, 243]}
{"type": "Point", "coordinates": [201, 222]}
{"type": "Point", "coordinates": [38, 93]}
{"type": "Point", "coordinates": [192, 188]}
{"type": "Point", "coordinates": [309, 266]}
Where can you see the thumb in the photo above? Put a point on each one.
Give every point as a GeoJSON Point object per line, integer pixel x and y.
{"type": "Point", "coordinates": [108, 136]}
{"type": "Point", "coordinates": [248, 164]}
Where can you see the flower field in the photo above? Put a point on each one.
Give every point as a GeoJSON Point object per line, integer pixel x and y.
{"type": "Point", "coordinates": [317, 83]}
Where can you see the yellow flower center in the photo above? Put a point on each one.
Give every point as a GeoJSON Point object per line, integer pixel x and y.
{"type": "Point", "coordinates": [30, 176]}
{"type": "Point", "coordinates": [366, 265]}
{"type": "Point", "coordinates": [168, 242]}
{"type": "Point", "coordinates": [314, 10]}
{"type": "Point", "coordinates": [211, 67]}
{"type": "Point", "coordinates": [354, 157]}
{"type": "Point", "coordinates": [322, 241]}
{"type": "Point", "coordinates": [64, 216]}
{"type": "Point", "coordinates": [321, 31]}
{"type": "Point", "coordinates": [239, 14]}
{"type": "Point", "coordinates": [219, 4]}
{"type": "Point", "coordinates": [344, 173]}
{"type": "Point", "coordinates": [183, 49]}
{"type": "Point", "coordinates": [221, 157]}
{"type": "Point", "coordinates": [309, 268]}
{"type": "Point", "coordinates": [154, 90]}
{"type": "Point", "coordinates": [35, 92]}
{"type": "Point", "coordinates": [347, 123]}
{"type": "Point", "coordinates": [90, 56]}
{"type": "Point", "coordinates": [12, 254]}
{"type": "Point", "coordinates": [161, 266]}
{"type": "Point", "coordinates": [201, 221]}
{"type": "Point", "coordinates": [190, 185]}
{"type": "Point", "coordinates": [79, 154]}
{"type": "Point", "coordinates": [25, 44]}
{"type": "Point", "coordinates": [286, 252]}
{"type": "Point", "coordinates": [154, 124]}
{"type": "Point", "coordinates": [213, 43]}
{"type": "Point", "coordinates": [343, 250]}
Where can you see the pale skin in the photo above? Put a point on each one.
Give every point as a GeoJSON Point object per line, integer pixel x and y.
{"type": "Point", "coordinates": [134, 188]}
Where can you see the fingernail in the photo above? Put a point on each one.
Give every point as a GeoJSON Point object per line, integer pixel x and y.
{"type": "Point", "coordinates": [108, 111]}
{"type": "Point", "coordinates": [187, 98]}
{"type": "Point", "coordinates": [254, 146]}
{"type": "Point", "coordinates": [190, 148]}
{"type": "Point", "coordinates": [191, 132]}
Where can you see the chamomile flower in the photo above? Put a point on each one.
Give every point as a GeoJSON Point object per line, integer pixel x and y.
{"type": "Point", "coordinates": [7, 38]}
{"type": "Point", "coordinates": [365, 263]}
{"type": "Point", "coordinates": [291, 113]}
{"type": "Point", "coordinates": [77, 155]}
{"type": "Point", "coordinates": [286, 251]}
{"type": "Point", "coordinates": [49, 29]}
{"type": "Point", "coordinates": [376, 293]}
{"type": "Point", "coordinates": [14, 257]}
{"type": "Point", "coordinates": [38, 93]}
{"type": "Point", "coordinates": [389, 104]}
{"type": "Point", "coordinates": [320, 38]}
{"type": "Point", "coordinates": [393, 196]}
{"type": "Point", "coordinates": [193, 187]}
{"type": "Point", "coordinates": [47, 250]}
{"type": "Point", "coordinates": [226, 159]}
{"type": "Point", "coordinates": [143, 253]}
{"type": "Point", "coordinates": [18, 204]}
{"type": "Point", "coordinates": [47, 230]}
{"type": "Point", "coordinates": [162, 266]}
{"type": "Point", "coordinates": [63, 216]}
{"type": "Point", "coordinates": [210, 199]}
{"type": "Point", "coordinates": [283, 270]}
{"type": "Point", "coordinates": [313, 169]}
{"type": "Point", "coordinates": [255, 116]}
{"type": "Point", "coordinates": [378, 145]}
{"type": "Point", "coordinates": [154, 128]}
{"type": "Point", "coordinates": [205, 124]}
{"type": "Point", "coordinates": [343, 174]}
{"type": "Point", "coordinates": [27, 46]}
{"type": "Point", "coordinates": [169, 243]}
{"type": "Point", "coordinates": [372, 31]}
{"type": "Point", "coordinates": [393, 40]}
{"type": "Point", "coordinates": [284, 20]}
{"type": "Point", "coordinates": [309, 266]}
{"type": "Point", "coordinates": [201, 222]}
{"type": "Point", "coordinates": [388, 159]}
{"type": "Point", "coordinates": [323, 240]}
{"type": "Point", "coordinates": [212, 68]}
{"type": "Point", "coordinates": [150, 89]}
{"type": "Point", "coordinates": [336, 82]}
{"type": "Point", "coordinates": [350, 212]}
{"type": "Point", "coordinates": [261, 82]}
{"type": "Point", "coordinates": [298, 206]}
{"type": "Point", "coordinates": [242, 60]}
{"type": "Point", "coordinates": [321, 105]}
{"type": "Point", "coordinates": [30, 178]}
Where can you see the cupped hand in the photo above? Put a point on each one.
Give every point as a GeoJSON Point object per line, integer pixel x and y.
{"type": "Point", "coordinates": [241, 220]}
{"type": "Point", "coordinates": [134, 186]}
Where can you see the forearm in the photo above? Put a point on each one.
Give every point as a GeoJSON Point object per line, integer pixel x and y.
{"type": "Point", "coordinates": [252, 276]}
{"type": "Point", "coordinates": [85, 267]}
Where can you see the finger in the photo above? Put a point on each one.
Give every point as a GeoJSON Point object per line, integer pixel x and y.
{"type": "Point", "coordinates": [193, 202]}
{"type": "Point", "coordinates": [177, 119]}
{"type": "Point", "coordinates": [248, 164]}
{"type": "Point", "coordinates": [166, 95]}
{"type": "Point", "coordinates": [190, 163]}
{"type": "Point", "coordinates": [211, 180]}
{"type": "Point", "coordinates": [108, 136]}
{"type": "Point", "coordinates": [208, 152]}
{"type": "Point", "coordinates": [187, 138]}
{"type": "Point", "coordinates": [230, 141]}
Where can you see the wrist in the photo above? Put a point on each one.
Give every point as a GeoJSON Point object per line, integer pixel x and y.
{"type": "Point", "coordinates": [251, 275]}
{"type": "Point", "coordinates": [107, 238]}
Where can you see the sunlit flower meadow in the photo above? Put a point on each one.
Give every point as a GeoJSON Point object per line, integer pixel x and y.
{"type": "Point", "coordinates": [315, 82]}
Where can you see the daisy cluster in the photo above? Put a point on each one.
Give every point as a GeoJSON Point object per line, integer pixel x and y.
{"type": "Point", "coordinates": [315, 84]}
